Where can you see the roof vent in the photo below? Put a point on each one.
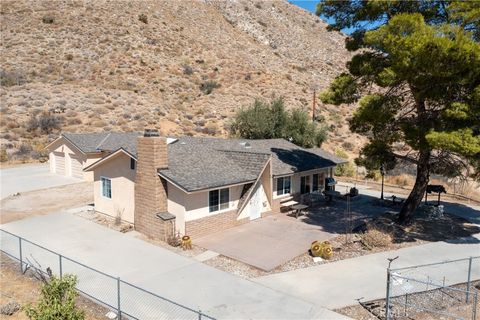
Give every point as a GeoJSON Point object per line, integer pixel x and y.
{"type": "Point", "coordinates": [171, 140]}
{"type": "Point", "coordinates": [151, 133]}
{"type": "Point", "coordinates": [247, 145]}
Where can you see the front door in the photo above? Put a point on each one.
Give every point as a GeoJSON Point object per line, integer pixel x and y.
{"type": "Point", "coordinates": [255, 203]}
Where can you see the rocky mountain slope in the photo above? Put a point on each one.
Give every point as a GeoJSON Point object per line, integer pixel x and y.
{"type": "Point", "coordinates": [125, 65]}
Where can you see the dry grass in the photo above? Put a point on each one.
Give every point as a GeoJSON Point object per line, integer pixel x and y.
{"type": "Point", "coordinates": [375, 237]}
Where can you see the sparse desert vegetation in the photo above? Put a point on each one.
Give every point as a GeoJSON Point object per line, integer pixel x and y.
{"type": "Point", "coordinates": [181, 67]}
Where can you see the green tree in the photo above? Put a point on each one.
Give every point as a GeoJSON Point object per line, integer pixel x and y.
{"type": "Point", "coordinates": [271, 120]}
{"type": "Point", "coordinates": [345, 169]}
{"type": "Point", "coordinates": [416, 76]}
{"type": "Point", "coordinates": [57, 300]}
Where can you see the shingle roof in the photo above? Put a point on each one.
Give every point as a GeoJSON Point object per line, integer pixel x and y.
{"type": "Point", "coordinates": [104, 141]}
{"type": "Point", "coordinates": [193, 167]}
{"type": "Point", "coordinates": [196, 163]}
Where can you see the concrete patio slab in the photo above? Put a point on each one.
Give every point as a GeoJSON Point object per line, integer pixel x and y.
{"type": "Point", "coordinates": [269, 242]}
{"type": "Point", "coordinates": [265, 243]}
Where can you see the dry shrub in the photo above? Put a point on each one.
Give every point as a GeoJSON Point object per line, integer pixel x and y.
{"type": "Point", "coordinates": [74, 121]}
{"type": "Point", "coordinates": [98, 123]}
{"type": "Point", "coordinates": [376, 237]}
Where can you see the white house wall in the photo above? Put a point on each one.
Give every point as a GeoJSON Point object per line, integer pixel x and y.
{"type": "Point", "coordinates": [175, 205]}
{"type": "Point", "coordinates": [196, 204]}
{"type": "Point", "coordinates": [122, 177]}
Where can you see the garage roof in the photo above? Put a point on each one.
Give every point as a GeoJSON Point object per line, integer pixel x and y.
{"type": "Point", "coordinates": [104, 141]}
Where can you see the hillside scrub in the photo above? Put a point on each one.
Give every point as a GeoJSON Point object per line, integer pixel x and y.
{"type": "Point", "coordinates": [270, 120]}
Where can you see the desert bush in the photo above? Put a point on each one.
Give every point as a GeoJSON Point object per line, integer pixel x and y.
{"type": "Point", "coordinates": [3, 155]}
{"type": "Point", "coordinates": [208, 86]}
{"type": "Point", "coordinates": [375, 237]}
{"type": "Point", "coordinates": [373, 174]}
{"type": "Point", "coordinates": [211, 128]}
{"type": "Point", "coordinates": [48, 19]}
{"type": "Point", "coordinates": [187, 70]}
{"type": "Point", "coordinates": [12, 78]}
{"type": "Point", "coordinates": [23, 150]}
{"type": "Point", "coordinates": [98, 123]}
{"type": "Point", "coordinates": [143, 18]}
{"type": "Point", "coordinates": [57, 300]}
{"type": "Point", "coordinates": [346, 169]}
{"type": "Point", "coordinates": [47, 122]}
{"type": "Point", "coordinates": [74, 121]}
{"type": "Point", "coordinates": [402, 180]}
{"type": "Point", "coordinates": [12, 124]}
{"type": "Point", "coordinates": [347, 145]}
{"type": "Point", "coordinates": [31, 124]}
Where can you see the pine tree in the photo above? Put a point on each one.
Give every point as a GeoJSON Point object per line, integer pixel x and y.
{"type": "Point", "coordinates": [416, 78]}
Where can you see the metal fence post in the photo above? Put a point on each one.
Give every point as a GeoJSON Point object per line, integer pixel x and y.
{"type": "Point", "coordinates": [469, 277]}
{"type": "Point", "coordinates": [20, 252]}
{"type": "Point", "coordinates": [60, 271]}
{"type": "Point", "coordinates": [387, 302]}
{"type": "Point", "coordinates": [119, 310]}
{"type": "Point", "coordinates": [475, 301]}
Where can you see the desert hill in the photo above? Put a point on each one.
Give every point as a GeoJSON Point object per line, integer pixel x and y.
{"type": "Point", "coordinates": [183, 67]}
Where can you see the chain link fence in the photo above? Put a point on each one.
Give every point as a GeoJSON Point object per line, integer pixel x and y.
{"type": "Point", "coordinates": [444, 290]}
{"type": "Point", "coordinates": [127, 300]}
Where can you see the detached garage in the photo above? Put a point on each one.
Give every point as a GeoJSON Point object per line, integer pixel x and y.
{"type": "Point", "coordinates": [72, 152]}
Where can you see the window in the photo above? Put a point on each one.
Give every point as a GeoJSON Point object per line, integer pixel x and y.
{"type": "Point", "coordinates": [219, 199]}
{"type": "Point", "coordinates": [305, 184]}
{"type": "Point", "coordinates": [283, 186]}
{"type": "Point", "coordinates": [132, 163]}
{"type": "Point", "coordinates": [315, 182]}
{"type": "Point", "coordinates": [106, 188]}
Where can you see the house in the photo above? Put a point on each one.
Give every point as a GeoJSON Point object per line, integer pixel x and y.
{"type": "Point", "coordinates": [196, 185]}
{"type": "Point", "coordinates": [72, 152]}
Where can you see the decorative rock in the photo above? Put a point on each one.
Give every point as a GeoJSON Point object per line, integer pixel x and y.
{"type": "Point", "coordinates": [10, 308]}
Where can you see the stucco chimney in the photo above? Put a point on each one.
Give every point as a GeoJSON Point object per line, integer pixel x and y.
{"type": "Point", "coordinates": [150, 189]}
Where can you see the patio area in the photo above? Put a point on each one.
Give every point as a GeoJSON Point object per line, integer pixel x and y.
{"type": "Point", "coordinates": [272, 241]}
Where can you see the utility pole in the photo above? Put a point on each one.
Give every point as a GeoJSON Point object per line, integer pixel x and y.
{"type": "Point", "coordinates": [314, 103]}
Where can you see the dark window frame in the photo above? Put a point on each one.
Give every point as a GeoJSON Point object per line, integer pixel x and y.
{"type": "Point", "coordinates": [132, 164]}
{"type": "Point", "coordinates": [284, 185]}
{"type": "Point", "coordinates": [315, 182]}
{"type": "Point", "coordinates": [305, 185]}
{"type": "Point", "coordinates": [219, 199]}
{"type": "Point", "coordinates": [106, 187]}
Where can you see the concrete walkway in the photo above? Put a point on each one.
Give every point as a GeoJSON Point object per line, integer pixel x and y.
{"type": "Point", "coordinates": [181, 279]}
{"type": "Point", "coordinates": [340, 284]}
{"type": "Point", "coordinates": [30, 177]}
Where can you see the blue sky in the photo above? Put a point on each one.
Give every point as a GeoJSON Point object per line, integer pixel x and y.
{"type": "Point", "coordinates": [311, 5]}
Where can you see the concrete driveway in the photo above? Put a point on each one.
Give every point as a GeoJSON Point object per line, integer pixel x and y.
{"type": "Point", "coordinates": [181, 279]}
{"type": "Point", "coordinates": [30, 177]}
